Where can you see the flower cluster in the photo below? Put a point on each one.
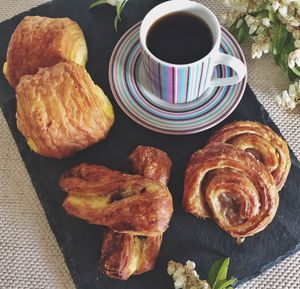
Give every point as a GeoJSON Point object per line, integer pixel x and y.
{"type": "Point", "coordinates": [185, 276]}
{"type": "Point", "coordinates": [290, 97]}
{"type": "Point", "coordinates": [274, 25]}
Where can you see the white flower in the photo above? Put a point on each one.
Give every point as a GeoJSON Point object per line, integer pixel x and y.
{"type": "Point", "coordinates": [297, 43]}
{"type": "Point", "coordinates": [293, 21]}
{"type": "Point", "coordinates": [294, 58]}
{"type": "Point", "coordinates": [283, 10]}
{"type": "Point", "coordinates": [275, 5]}
{"type": "Point", "coordinates": [190, 265]}
{"type": "Point", "coordinates": [292, 91]}
{"type": "Point", "coordinates": [266, 22]}
{"type": "Point", "coordinates": [296, 34]}
{"type": "Point", "coordinates": [253, 28]}
{"type": "Point", "coordinates": [249, 20]}
{"type": "Point", "coordinates": [287, 2]}
{"type": "Point", "coordinates": [239, 23]}
{"type": "Point", "coordinates": [289, 99]}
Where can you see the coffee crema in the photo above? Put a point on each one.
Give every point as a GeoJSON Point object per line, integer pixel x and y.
{"type": "Point", "coordinates": [179, 38]}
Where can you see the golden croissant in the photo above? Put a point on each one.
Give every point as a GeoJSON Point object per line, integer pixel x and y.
{"type": "Point", "coordinates": [60, 110]}
{"type": "Point", "coordinates": [124, 203]}
{"type": "Point", "coordinates": [40, 42]}
{"type": "Point", "coordinates": [260, 141]}
{"type": "Point", "coordinates": [230, 185]}
{"type": "Point", "coordinates": [123, 255]}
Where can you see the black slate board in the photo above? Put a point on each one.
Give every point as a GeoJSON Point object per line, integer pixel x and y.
{"type": "Point", "coordinates": [187, 237]}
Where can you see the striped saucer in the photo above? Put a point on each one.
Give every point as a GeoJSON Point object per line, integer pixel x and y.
{"type": "Point", "coordinates": [129, 87]}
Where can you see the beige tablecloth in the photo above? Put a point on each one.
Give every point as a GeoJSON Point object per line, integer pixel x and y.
{"type": "Point", "coordinates": [29, 254]}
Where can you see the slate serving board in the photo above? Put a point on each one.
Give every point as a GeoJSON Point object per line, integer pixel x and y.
{"type": "Point", "coordinates": [187, 237]}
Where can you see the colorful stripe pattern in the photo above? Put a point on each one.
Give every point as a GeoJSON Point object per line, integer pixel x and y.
{"type": "Point", "coordinates": [131, 87]}
{"type": "Point", "coordinates": [177, 84]}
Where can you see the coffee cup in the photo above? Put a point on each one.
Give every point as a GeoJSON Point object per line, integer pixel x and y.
{"type": "Point", "coordinates": [175, 72]}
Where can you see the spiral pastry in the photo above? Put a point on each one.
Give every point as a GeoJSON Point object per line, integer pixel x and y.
{"type": "Point", "coordinates": [124, 203]}
{"type": "Point", "coordinates": [230, 185]}
{"type": "Point", "coordinates": [262, 142]}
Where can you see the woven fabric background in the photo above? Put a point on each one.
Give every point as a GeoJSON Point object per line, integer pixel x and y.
{"type": "Point", "coordinates": [29, 255]}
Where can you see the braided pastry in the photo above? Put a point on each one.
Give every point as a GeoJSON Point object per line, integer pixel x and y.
{"type": "Point", "coordinates": [124, 203]}
{"type": "Point", "coordinates": [123, 255]}
{"type": "Point", "coordinates": [262, 142]}
{"type": "Point", "coordinates": [60, 110]}
{"type": "Point", "coordinates": [230, 185]}
{"type": "Point", "coordinates": [40, 42]}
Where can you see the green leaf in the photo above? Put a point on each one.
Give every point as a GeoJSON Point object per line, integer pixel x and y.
{"type": "Point", "coordinates": [119, 8]}
{"type": "Point", "coordinates": [223, 284]}
{"type": "Point", "coordinates": [240, 33]}
{"type": "Point", "coordinates": [278, 38]}
{"type": "Point", "coordinates": [260, 14]}
{"type": "Point", "coordinates": [98, 3]}
{"type": "Point", "coordinates": [218, 272]}
{"type": "Point", "coordinates": [273, 16]}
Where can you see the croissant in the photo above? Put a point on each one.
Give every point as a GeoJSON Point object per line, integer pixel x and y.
{"type": "Point", "coordinates": [230, 185]}
{"type": "Point", "coordinates": [124, 203]}
{"type": "Point", "coordinates": [40, 42]}
{"type": "Point", "coordinates": [123, 255]}
{"type": "Point", "coordinates": [60, 110]}
{"type": "Point", "coordinates": [260, 141]}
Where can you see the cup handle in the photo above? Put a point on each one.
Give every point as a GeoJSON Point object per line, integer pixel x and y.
{"type": "Point", "coordinates": [237, 65]}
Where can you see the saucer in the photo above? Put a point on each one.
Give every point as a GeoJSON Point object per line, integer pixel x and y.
{"type": "Point", "coordinates": [128, 83]}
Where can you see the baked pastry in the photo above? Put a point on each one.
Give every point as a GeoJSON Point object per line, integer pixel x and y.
{"type": "Point", "coordinates": [124, 203]}
{"type": "Point", "coordinates": [40, 42]}
{"type": "Point", "coordinates": [151, 163]}
{"type": "Point", "coordinates": [124, 255]}
{"type": "Point", "coordinates": [230, 185]}
{"type": "Point", "coordinates": [262, 142]}
{"type": "Point", "coordinates": [60, 110]}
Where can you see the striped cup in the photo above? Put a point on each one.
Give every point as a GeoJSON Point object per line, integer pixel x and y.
{"type": "Point", "coordinates": [182, 83]}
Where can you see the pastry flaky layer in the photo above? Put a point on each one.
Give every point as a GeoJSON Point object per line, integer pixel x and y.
{"type": "Point", "coordinates": [151, 163]}
{"type": "Point", "coordinates": [226, 183]}
{"type": "Point", "coordinates": [124, 203]}
{"type": "Point", "coordinates": [124, 255]}
{"type": "Point", "coordinates": [40, 42]}
{"type": "Point", "coordinates": [262, 142]}
{"type": "Point", "coordinates": [60, 110]}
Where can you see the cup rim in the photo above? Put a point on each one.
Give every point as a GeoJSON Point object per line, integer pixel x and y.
{"type": "Point", "coordinates": [208, 11]}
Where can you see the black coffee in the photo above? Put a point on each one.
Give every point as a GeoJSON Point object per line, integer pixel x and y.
{"type": "Point", "coordinates": [179, 38]}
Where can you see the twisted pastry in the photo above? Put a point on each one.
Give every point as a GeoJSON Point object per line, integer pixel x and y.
{"type": "Point", "coordinates": [230, 185]}
{"type": "Point", "coordinates": [60, 110]}
{"type": "Point", "coordinates": [124, 203]}
{"type": "Point", "coordinates": [123, 255]}
{"type": "Point", "coordinates": [260, 141]}
{"type": "Point", "coordinates": [40, 42]}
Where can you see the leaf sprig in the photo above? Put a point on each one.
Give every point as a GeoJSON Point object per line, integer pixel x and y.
{"type": "Point", "coordinates": [119, 4]}
{"type": "Point", "coordinates": [217, 276]}
{"type": "Point", "coordinates": [282, 41]}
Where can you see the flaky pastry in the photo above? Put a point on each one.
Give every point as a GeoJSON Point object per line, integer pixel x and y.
{"type": "Point", "coordinates": [123, 255]}
{"type": "Point", "coordinates": [40, 42]}
{"type": "Point", "coordinates": [230, 185]}
{"type": "Point", "coordinates": [262, 142]}
{"type": "Point", "coordinates": [60, 110]}
{"type": "Point", "coordinates": [124, 203]}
